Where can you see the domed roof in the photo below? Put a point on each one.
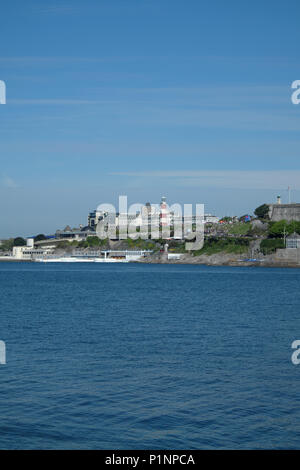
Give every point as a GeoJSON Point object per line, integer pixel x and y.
{"type": "Point", "coordinates": [293, 236]}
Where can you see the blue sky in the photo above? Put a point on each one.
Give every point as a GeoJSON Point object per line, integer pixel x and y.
{"type": "Point", "coordinates": [189, 99]}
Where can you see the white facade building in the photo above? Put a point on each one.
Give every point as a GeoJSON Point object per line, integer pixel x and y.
{"type": "Point", "coordinates": [28, 252]}
{"type": "Point", "coordinates": [293, 241]}
{"type": "Point", "coordinates": [211, 219]}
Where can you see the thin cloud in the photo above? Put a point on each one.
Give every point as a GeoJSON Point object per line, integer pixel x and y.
{"type": "Point", "coordinates": [32, 60]}
{"type": "Point", "coordinates": [8, 182]}
{"type": "Point", "coordinates": [56, 101]}
{"type": "Point", "coordinates": [227, 179]}
{"type": "Point", "coordinates": [58, 9]}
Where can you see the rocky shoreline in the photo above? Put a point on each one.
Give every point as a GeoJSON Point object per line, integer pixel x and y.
{"type": "Point", "coordinates": [218, 259]}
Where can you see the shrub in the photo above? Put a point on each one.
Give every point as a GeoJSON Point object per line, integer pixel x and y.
{"type": "Point", "coordinates": [19, 241]}
{"type": "Point", "coordinates": [262, 211]}
{"type": "Point", "coordinates": [270, 245]}
{"type": "Point", "coordinates": [225, 245]}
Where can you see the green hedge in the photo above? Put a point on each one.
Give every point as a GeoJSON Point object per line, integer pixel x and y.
{"type": "Point", "coordinates": [270, 245]}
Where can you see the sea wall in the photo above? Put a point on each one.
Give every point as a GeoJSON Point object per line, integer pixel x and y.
{"type": "Point", "coordinates": [288, 255]}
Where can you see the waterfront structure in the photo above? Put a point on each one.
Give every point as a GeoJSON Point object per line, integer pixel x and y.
{"type": "Point", "coordinates": [128, 255]}
{"type": "Point", "coordinates": [104, 256]}
{"type": "Point", "coordinates": [287, 256]}
{"type": "Point", "coordinates": [291, 253]}
{"type": "Point", "coordinates": [28, 252]}
{"type": "Point", "coordinates": [174, 256]}
{"type": "Point", "coordinates": [286, 212]}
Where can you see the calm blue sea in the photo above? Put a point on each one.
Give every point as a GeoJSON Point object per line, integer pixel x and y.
{"type": "Point", "coordinates": [148, 357]}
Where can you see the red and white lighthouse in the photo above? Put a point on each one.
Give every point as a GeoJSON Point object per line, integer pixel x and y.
{"type": "Point", "coordinates": [164, 213]}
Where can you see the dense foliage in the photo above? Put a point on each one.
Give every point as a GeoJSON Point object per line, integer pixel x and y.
{"type": "Point", "coordinates": [262, 211]}
{"type": "Point", "coordinates": [40, 237]}
{"type": "Point", "coordinates": [270, 245]}
{"type": "Point", "coordinates": [278, 229]}
{"type": "Point", "coordinates": [227, 245]}
{"type": "Point", "coordinates": [7, 245]}
{"type": "Point", "coordinates": [19, 241]}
